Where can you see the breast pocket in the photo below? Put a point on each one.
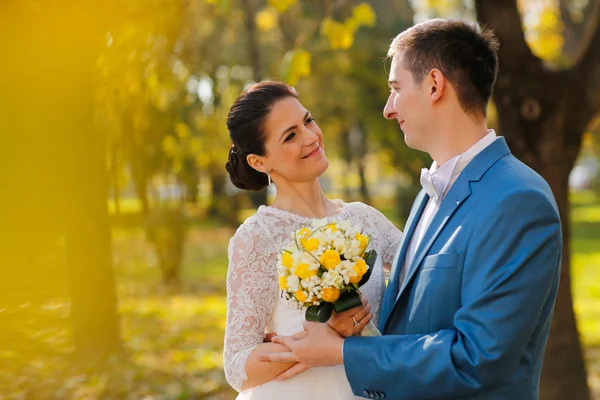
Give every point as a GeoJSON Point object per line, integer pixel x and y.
{"type": "Point", "coordinates": [442, 260]}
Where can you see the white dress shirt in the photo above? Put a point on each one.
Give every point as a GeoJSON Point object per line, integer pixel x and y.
{"type": "Point", "coordinates": [442, 178]}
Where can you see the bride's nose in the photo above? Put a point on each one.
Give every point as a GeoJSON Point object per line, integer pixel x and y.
{"type": "Point", "coordinates": [310, 138]}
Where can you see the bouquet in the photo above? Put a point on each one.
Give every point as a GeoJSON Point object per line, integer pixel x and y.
{"type": "Point", "coordinates": [323, 268]}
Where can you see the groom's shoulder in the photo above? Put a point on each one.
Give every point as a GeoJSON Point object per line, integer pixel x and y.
{"type": "Point", "coordinates": [510, 178]}
{"type": "Point", "coordinates": [512, 174]}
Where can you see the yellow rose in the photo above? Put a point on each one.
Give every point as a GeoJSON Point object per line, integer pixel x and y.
{"type": "Point", "coordinates": [360, 267]}
{"type": "Point", "coordinates": [333, 227]}
{"type": "Point", "coordinates": [330, 294]}
{"type": "Point", "coordinates": [283, 282]}
{"type": "Point", "coordinates": [303, 272]}
{"type": "Point", "coordinates": [287, 260]}
{"type": "Point", "coordinates": [300, 296]}
{"type": "Point", "coordinates": [355, 279]}
{"type": "Point", "coordinates": [330, 259]}
{"type": "Point", "coordinates": [311, 244]}
{"type": "Point", "coordinates": [364, 240]}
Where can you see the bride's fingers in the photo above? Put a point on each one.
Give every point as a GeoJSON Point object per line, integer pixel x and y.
{"type": "Point", "coordinates": [300, 335]}
{"type": "Point", "coordinates": [288, 357]}
{"type": "Point", "coordinates": [366, 320]}
{"type": "Point", "coordinates": [288, 340]}
{"type": "Point", "coordinates": [361, 313]}
{"type": "Point", "coordinates": [295, 370]}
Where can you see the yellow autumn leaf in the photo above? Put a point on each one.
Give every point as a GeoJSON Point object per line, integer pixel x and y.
{"type": "Point", "coordinates": [340, 35]}
{"type": "Point", "coordinates": [326, 26]}
{"type": "Point", "coordinates": [296, 64]}
{"type": "Point", "coordinates": [182, 130]}
{"type": "Point", "coordinates": [549, 20]}
{"type": "Point", "coordinates": [170, 146]}
{"type": "Point", "coordinates": [343, 38]}
{"type": "Point", "coordinates": [266, 19]}
{"type": "Point", "coordinates": [282, 5]}
{"type": "Point", "coordinates": [363, 14]}
{"type": "Point", "coordinates": [587, 139]}
{"type": "Point", "coordinates": [195, 146]}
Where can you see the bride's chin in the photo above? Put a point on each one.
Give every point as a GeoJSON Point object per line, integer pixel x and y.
{"type": "Point", "coordinates": [324, 168]}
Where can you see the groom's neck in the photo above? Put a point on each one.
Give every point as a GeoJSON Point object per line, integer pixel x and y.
{"type": "Point", "coordinates": [455, 139]}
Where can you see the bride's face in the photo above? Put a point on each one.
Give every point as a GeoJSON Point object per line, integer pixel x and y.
{"type": "Point", "coordinates": [294, 143]}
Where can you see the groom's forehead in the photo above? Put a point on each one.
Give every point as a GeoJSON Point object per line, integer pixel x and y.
{"type": "Point", "coordinates": [395, 68]}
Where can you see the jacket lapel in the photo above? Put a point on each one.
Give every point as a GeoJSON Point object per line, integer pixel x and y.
{"type": "Point", "coordinates": [393, 285]}
{"type": "Point", "coordinates": [457, 195]}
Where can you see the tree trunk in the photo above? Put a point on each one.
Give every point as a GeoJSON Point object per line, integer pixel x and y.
{"type": "Point", "coordinates": [543, 114]}
{"type": "Point", "coordinates": [140, 182]}
{"type": "Point", "coordinates": [364, 188]}
{"type": "Point", "coordinates": [564, 374]}
{"type": "Point", "coordinates": [88, 245]}
{"type": "Point", "coordinates": [223, 207]}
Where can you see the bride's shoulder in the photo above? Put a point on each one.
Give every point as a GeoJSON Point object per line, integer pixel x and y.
{"type": "Point", "coordinates": [250, 225]}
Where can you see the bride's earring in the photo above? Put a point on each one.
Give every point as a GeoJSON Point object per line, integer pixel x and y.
{"type": "Point", "coordinates": [269, 177]}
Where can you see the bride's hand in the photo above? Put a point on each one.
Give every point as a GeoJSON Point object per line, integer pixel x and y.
{"type": "Point", "coordinates": [344, 323]}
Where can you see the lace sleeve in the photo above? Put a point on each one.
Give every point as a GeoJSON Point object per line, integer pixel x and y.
{"type": "Point", "coordinates": [251, 295]}
{"type": "Point", "coordinates": [390, 235]}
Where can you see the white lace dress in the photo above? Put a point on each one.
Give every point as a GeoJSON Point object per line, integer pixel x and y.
{"type": "Point", "coordinates": [255, 306]}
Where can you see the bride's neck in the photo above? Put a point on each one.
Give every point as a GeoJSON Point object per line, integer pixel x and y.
{"type": "Point", "coordinates": [305, 199]}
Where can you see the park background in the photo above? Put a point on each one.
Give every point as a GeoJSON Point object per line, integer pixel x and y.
{"type": "Point", "coordinates": [116, 210]}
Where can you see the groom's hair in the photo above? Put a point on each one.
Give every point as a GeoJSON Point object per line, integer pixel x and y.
{"type": "Point", "coordinates": [465, 52]}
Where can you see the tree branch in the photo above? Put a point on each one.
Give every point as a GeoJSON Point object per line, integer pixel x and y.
{"type": "Point", "coordinates": [503, 16]}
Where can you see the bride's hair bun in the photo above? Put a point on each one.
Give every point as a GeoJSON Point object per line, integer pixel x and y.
{"type": "Point", "coordinates": [242, 175]}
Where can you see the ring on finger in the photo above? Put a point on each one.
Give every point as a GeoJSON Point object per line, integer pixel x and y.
{"type": "Point", "coordinates": [356, 323]}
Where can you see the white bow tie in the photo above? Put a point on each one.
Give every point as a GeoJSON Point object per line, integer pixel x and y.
{"type": "Point", "coordinates": [428, 185]}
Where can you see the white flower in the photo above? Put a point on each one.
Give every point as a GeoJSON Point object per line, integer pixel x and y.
{"type": "Point", "coordinates": [340, 245]}
{"type": "Point", "coordinates": [293, 283]}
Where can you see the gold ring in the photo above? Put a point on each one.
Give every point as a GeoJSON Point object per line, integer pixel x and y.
{"type": "Point", "coordinates": [356, 323]}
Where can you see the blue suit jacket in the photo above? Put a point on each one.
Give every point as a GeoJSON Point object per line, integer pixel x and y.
{"type": "Point", "coordinates": [471, 319]}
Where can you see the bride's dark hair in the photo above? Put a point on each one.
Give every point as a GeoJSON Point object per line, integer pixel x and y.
{"type": "Point", "coordinates": [246, 125]}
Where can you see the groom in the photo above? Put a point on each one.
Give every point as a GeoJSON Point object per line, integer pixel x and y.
{"type": "Point", "coordinates": [468, 307]}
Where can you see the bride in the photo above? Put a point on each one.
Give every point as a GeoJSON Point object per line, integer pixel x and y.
{"type": "Point", "coordinates": [277, 141]}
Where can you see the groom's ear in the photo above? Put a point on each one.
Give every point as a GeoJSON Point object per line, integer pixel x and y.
{"type": "Point", "coordinates": [437, 84]}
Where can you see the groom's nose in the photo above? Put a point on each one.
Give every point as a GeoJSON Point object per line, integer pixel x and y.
{"type": "Point", "coordinates": [388, 111]}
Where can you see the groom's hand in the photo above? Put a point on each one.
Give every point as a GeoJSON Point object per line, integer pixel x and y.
{"type": "Point", "coordinates": [319, 345]}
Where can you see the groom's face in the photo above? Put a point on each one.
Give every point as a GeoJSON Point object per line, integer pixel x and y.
{"type": "Point", "coordinates": [408, 103]}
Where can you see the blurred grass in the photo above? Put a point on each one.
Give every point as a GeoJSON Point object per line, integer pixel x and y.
{"type": "Point", "coordinates": [173, 343]}
{"type": "Point", "coordinates": [585, 268]}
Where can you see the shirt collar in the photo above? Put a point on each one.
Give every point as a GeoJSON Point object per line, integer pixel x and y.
{"type": "Point", "coordinates": [442, 176]}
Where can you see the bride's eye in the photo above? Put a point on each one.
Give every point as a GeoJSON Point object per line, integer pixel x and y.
{"type": "Point", "coordinates": [290, 137]}
{"type": "Point", "coordinates": [308, 121]}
